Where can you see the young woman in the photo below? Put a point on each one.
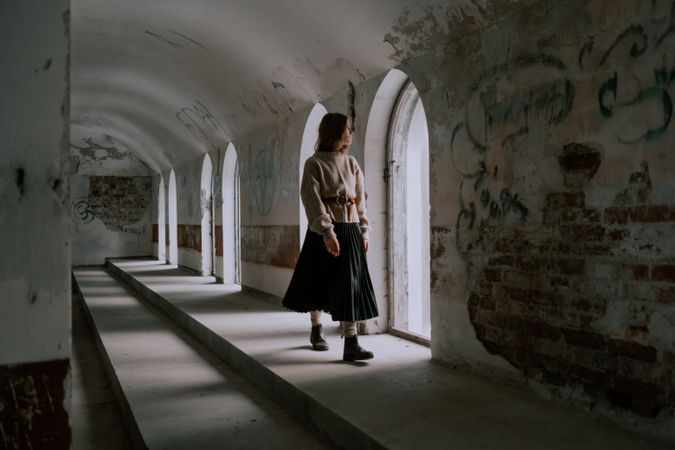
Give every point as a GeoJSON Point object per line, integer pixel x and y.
{"type": "Point", "coordinates": [332, 274]}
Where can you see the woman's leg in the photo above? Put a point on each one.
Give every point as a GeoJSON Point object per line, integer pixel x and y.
{"type": "Point", "coordinates": [353, 351]}
{"type": "Point", "coordinates": [316, 337]}
{"type": "Point", "coordinates": [315, 317]}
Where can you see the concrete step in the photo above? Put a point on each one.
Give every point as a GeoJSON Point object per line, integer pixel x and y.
{"type": "Point", "coordinates": [173, 392]}
{"type": "Point", "coordinates": [399, 400]}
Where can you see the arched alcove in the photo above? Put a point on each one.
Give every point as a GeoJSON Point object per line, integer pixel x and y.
{"type": "Point", "coordinates": [206, 205]}
{"type": "Point", "coordinates": [231, 271]}
{"type": "Point", "coordinates": [173, 219]}
{"type": "Point", "coordinates": [309, 138]}
{"type": "Point", "coordinates": [161, 220]}
{"type": "Point", "coordinates": [376, 168]}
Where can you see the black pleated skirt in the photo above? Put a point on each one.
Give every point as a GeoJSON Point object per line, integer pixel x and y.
{"type": "Point", "coordinates": [340, 286]}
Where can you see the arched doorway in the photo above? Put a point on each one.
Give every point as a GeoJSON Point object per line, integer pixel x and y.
{"type": "Point", "coordinates": [173, 220]}
{"type": "Point", "coordinates": [230, 218]}
{"type": "Point", "coordinates": [206, 205]}
{"type": "Point", "coordinates": [309, 138]}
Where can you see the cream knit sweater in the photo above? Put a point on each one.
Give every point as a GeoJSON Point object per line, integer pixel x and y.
{"type": "Point", "coordinates": [329, 174]}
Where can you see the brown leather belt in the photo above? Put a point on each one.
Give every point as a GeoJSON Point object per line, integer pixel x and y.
{"type": "Point", "coordinates": [342, 200]}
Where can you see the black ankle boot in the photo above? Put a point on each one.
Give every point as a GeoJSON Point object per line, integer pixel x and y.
{"type": "Point", "coordinates": [316, 338]}
{"type": "Point", "coordinates": [353, 351]}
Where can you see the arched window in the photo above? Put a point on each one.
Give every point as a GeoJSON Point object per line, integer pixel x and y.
{"type": "Point", "coordinates": [376, 171]}
{"type": "Point", "coordinates": [206, 205]}
{"type": "Point", "coordinates": [161, 221]}
{"type": "Point", "coordinates": [173, 220]}
{"type": "Point", "coordinates": [230, 218]}
{"type": "Point", "coordinates": [309, 138]}
{"type": "Point", "coordinates": [409, 221]}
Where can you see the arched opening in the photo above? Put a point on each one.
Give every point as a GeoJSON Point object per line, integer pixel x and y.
{"type": "Point", "coordinates": [409, 243]}
{"type": "Point", "coordinates": [206, 205]}
{"type": "Point", "coordinates": [230, 217]}
{"type": "Point", "coordinates": [309, 138]}
{"type": "Point", "coordinates": [173, 220]}
{"type": "Point", "coordinates": [161, 221]}
{"type": "Point", "coordinates": [376, 170]}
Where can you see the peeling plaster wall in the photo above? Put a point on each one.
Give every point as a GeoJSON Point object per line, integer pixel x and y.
{"type": "Point", "coordinates": [551, 195]}
{"type": "Point", "coordinates": [111, 200]}
{"type": "Point", "coordinates": [552, 186]}
{"type": "Point", "coordinates": [268, 164]}
{"type": "Point", "coordinates": [189, 215]}
{"type": "Point", "coordinates": [35, 246]}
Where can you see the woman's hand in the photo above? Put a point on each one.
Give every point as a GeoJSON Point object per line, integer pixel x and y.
{"type": "Point", "coordinates": [333, 246]}
{"type": "Point", "coordinates": [365, 243]}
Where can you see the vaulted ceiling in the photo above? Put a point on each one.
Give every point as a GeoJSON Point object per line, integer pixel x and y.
{"type": "Point", "coordinates": [171, 79]}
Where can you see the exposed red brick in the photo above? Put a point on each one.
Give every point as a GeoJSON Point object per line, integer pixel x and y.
{"type": "Point", "coordinates": [652, 214]}
{"type": "Point", "coordinates": [507, 293]}
{"type": "Point", "coordinates": [503, 260]}
{"type": "Point", "coordinates": [551, 216]}
{"type": "Point", "coordinates": [511, 245]}
{"type": "Point", "coordinates": [546, 298]}
{"type": "Point", "coordinates": [617, 215]}
{"type": "Point", "coordinates": [190, 236]}
{"type": "Point", "coordinates": [487, 303]}
{"type": "Point", "coordinates": [570, 214]}
{"type": "Point", "coordinates": [586, 375]}
{"type": "Point", "coordinates": [590, 215]}
{"type": "Point", "coordinates": [618, 235]}
{"type": "Point", "coordinates": [569, 266]}
{"type": "Point", "coordinates": [493, 275]}
{"type": "Point", "coordinates": [633, 350]}
{"type": "Point", "coordinates": [664, 272]}
{"type": "Point", "coordinates": [219, 240]}
{"type": "Point", "coordinates": [565, 200]}
{"type": "Point", "coordinates": [584, 339]}
{"type": "Point", "coordinates": [642, 397]}
{"type": "Point", "coordinates": [593, 249]}
{"type": "Point", "coordinates": [669, 357]}
{"type": "Point", "coordinates": [587, 160]}
{"type": "Point", "coordinates": [666, 295]}
{"type": "Point", "coordinates": [640, 272]}
{"type": "Point", "coordinates": [530, 263]}
{"type": "Point", "coordinates": [541, 330]}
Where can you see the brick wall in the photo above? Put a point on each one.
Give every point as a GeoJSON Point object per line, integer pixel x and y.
{"type": "Point", "coordinates": [582, 299]}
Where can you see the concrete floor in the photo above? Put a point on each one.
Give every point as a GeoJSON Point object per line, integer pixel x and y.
{"type": "Point", "coordinates": [400, 399]}
{"type": "Point", "coordinates": [180, 395]}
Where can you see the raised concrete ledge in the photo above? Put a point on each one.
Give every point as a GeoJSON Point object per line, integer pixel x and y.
{"type": "Point", "coordinates": [175, 394]}
{"type": "Point", "coordinates": [399, 400]}
{"type": "Point", "coordinates": [130, 424]}
{"type": "Point", "coordinates": [320, 418]}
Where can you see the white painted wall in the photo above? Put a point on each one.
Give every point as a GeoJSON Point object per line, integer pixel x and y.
{"type": "Point", "coordinates": [307, 148]}
{"type": "Point", "coordinates": [34, 212]}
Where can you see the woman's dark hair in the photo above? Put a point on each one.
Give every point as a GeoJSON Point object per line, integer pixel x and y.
{"type": "Point", "coordinates": [330, 131]}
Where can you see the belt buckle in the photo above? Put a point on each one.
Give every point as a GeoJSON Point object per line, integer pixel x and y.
{"type": "Point", "coordinates": [342, 199]}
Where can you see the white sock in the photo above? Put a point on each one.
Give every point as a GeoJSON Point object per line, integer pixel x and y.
{"type": "Point", "coordinates": [349, 328]}
{"type": "Point", "coordinates": [315, 317]}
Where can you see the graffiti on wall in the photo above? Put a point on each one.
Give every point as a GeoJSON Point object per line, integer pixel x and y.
{"type": "Point", "coordinates": [199, 121]}
{"type": "Point", "coordinates": [261, 173]}
{"type": "Point", "coordinates": [637, 74]}
{"type": "Point", "coordinates": [81, 211]}
{"type": "Point", "coordinates": [525, 95]}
